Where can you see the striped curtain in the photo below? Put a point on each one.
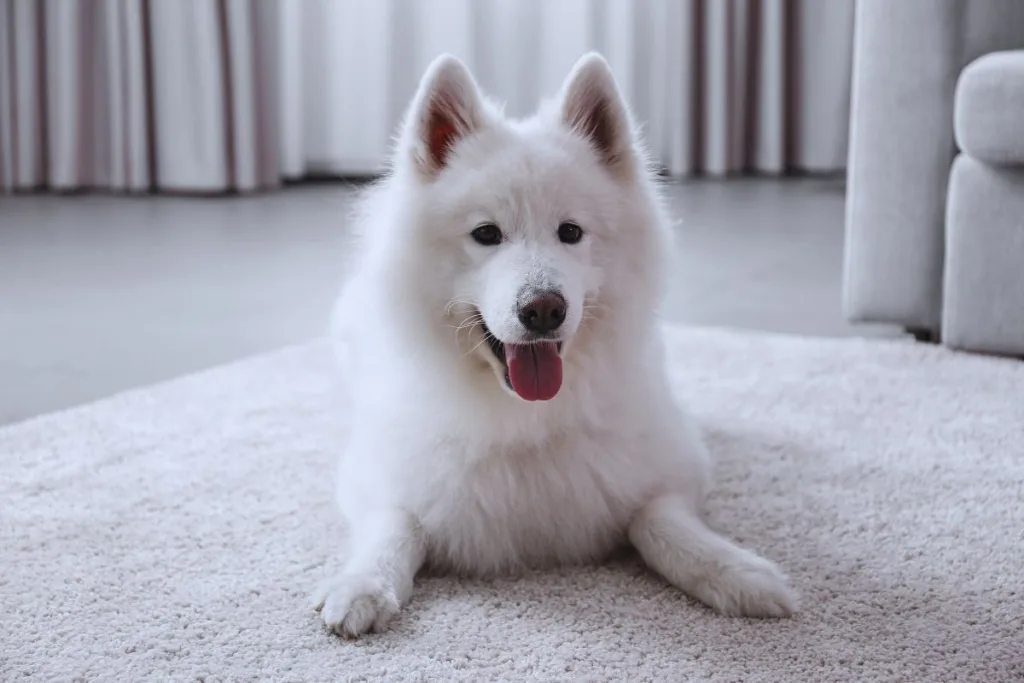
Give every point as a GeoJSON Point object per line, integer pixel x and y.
{"type": "Point", "coordinates": [239, 95]}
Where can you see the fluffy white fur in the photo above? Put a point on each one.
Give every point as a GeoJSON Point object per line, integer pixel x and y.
{"type": "Point", "coordinates": [446, 466]}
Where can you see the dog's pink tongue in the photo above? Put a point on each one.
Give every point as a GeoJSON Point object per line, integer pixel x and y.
{"type": "Point", "coordinates": [535, 370]}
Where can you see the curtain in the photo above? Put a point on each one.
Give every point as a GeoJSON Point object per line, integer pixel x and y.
{"type": "Point", "coordinates": [132, 95]}
{"type": "Point", "coordinates": [217, 95]}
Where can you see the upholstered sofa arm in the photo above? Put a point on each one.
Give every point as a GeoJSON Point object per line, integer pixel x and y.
{"type": "Point", "coordinates": [908, 55]}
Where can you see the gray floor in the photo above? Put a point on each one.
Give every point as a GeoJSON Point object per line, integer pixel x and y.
{"type": "Point", "coordinates": [100, 294]}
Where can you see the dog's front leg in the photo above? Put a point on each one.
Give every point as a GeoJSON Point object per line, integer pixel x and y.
{"type": "Point", "coordinates": [386, 550]}
{"type": "Point", "coordinates": [675, 542]}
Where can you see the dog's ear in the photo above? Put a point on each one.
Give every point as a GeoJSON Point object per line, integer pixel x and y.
{"type": "Point", "coordinates": [593, 107]}
{"type": "Point", "coordinates": [448, 107]}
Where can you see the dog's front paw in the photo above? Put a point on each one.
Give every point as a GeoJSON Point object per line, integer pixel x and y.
{"type": "Point", "coordinates": [750, 586]}
{"type": "Point", "coordinates": [354, 604]}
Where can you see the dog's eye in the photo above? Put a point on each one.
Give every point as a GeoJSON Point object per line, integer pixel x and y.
{"type": "Point", "coordinates": [570, 233]}
{"type": "Point", "coordinates": [487, 234]}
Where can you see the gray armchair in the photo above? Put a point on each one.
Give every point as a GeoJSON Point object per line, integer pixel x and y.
{"type": "Point", "coordinates": [935, 204]}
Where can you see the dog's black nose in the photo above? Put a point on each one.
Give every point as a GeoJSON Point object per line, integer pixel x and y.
{"type": "Point", "coordinates": [544, 313]}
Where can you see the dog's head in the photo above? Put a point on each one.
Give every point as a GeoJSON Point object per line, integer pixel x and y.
{"type": "Point", "coordinates": [531, 225]}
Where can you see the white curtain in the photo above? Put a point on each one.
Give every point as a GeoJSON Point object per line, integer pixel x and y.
{"type": "Point", "coordinates": [133, 95]}
{"type": "Point", "coordinates": [720, 86]}
{"type": "Point", "coordinates": [214, 95]}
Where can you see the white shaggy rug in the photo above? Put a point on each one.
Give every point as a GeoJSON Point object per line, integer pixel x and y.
{"type": "Point", "coordinates": [175, 533]}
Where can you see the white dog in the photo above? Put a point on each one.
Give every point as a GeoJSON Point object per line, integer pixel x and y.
{"type": "Point", "coordinates": [509, 406]}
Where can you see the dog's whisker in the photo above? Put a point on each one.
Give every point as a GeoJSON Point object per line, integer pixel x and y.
{"type": "Point", "coordinates": [475, 347]}
{"type": "Point", "coordinates": [468, 325]}
{"type": "Point", "coordinates": [456, 302]}
{"type": "Point", "coordinates": [473, 319]}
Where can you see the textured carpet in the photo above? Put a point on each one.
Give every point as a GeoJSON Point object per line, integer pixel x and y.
{"type": "Point", "coordinates": [176, 533]}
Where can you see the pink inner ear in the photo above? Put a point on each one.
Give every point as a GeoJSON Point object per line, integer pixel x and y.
{"type": "Point", "coordinates": [601, 129]}
{"type": "Point", "coordinates": [442, 137]}
{"type": "Point", "coordinates": [594, 122]}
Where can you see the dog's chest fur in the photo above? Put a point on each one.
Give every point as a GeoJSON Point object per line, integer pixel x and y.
{"type": "Point", "coordinates": [568, 501]}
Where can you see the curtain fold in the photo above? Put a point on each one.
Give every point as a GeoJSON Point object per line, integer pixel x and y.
{"type": "Point", "coordinates": [217, 95]}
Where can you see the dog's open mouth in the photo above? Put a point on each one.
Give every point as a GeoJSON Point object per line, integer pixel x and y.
{"type": "Point", "coordinates": [532, 370]}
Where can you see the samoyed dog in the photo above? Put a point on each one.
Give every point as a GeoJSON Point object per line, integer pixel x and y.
{"type": "Point", "coordinates": [509, 403]}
